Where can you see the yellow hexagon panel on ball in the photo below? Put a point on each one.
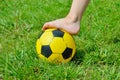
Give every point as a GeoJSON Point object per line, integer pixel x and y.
{"type": "Point", "coordinates": [55, 46]}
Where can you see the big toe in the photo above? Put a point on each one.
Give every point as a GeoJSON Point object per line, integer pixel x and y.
{"type": "Point", "coordinates": [47, 25]}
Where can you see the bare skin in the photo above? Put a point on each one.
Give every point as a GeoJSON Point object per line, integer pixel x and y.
{"type": "Point", "coordinates": [71, 23]}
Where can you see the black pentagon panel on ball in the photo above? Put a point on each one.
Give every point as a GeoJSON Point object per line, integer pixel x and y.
{"type": "Point", "coordinates": [58, 33]}
{"type": "Point", "coordinates": [67, 53]}
{"type": "Point", "coordinates": [46, 51]}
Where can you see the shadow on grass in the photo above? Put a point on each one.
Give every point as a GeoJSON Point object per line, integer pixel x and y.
{"type": "Point", "coordinates": [80, 53]}
{"type": "Point", "coordinates": [79, 56]}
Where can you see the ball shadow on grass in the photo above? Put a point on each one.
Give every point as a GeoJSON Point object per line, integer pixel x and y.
{"type": "Point", "coordinates": [79, 56]}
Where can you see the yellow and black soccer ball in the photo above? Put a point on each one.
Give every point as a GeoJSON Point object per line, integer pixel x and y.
{"type": "Point", "coordinates": [56, 46]}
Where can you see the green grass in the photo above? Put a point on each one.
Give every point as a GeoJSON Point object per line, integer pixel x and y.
{"type": "Point", "coordinates": [98, 43]}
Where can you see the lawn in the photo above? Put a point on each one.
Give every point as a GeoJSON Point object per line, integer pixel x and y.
{"type": "Point", "coordinates": [97, 49]}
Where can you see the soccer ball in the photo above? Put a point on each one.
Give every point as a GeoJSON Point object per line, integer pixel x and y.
{"type": "Point", "coordinates": [56, 46]}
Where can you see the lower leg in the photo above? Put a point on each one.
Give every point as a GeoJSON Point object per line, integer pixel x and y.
{"type": "Point", "coordinates": [71, 23]}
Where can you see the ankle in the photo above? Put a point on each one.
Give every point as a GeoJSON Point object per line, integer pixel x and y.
{"type": "Point", "coordinates": [73, 18]}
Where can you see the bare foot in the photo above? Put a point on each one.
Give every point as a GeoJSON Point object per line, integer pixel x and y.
{"type": "Point", "coordinates": [67, 24]}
